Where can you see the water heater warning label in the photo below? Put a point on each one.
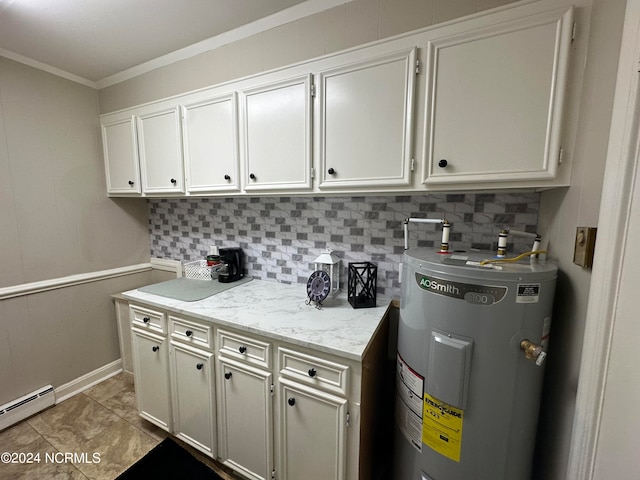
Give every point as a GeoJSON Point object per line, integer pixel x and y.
{"type": "Point", "coordinates": [409, 388]}
{"type": "Point", "coordinates": [442, 427]}
{"type": "Point", "coordinates": [528, 293]}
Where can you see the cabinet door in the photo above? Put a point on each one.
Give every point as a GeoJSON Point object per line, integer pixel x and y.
{"type": "Point", "coordinates": [365, 122]}
{"type": "Point", "coordinates": [193, 397]}
{"type": "Point", "coordinates": [312, 433]}
{"type": "Point", "coordinates": [160, 143]}
{"type": "Point", "coordinates": [121, 157]}
{"type": "Point", "coordinates": [495, 100]}
{"type": "Point", "coordinates": [211, 145]}
{"type": "Point", "coordinates": [245, 432]}
{"type": "Point", "coordinates": [277, 135]}
{"type": "Point", "coordinates": [151, 374]}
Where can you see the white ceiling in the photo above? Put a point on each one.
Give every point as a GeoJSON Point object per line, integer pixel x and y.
{"type": "Point", "coordinates": [93, 40]}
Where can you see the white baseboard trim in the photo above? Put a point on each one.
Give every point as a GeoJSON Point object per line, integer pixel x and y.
{"type": "Point", "coordinates": [87, 380]}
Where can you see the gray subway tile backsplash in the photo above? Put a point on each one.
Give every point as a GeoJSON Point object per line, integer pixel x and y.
{"type": "Point", "coordinates": [282, 236]}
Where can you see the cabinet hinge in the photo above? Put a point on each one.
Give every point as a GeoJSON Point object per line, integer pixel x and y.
{"type": "Point", "coordinates": [573, 31]}
{"type": "Point", "coordinates": [413, 164]}
{"type": "Point", "coordinates": [272, 389]}
{"type": "Point", "coordinates": [273, 475]}
{"type": "Point", "coordinates": [313, 172]}
{"type": "Point", "coordinates": [313, 89]}
{"type": "Point", "coordinates": [417, 67]}
{"type": "Point", "coordinates": [560, 156]}
{"type": "Point", "coordinates": [348, 419]}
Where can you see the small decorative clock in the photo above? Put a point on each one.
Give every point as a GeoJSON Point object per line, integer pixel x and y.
{"type": "Point", "coordinates": [324, 282]}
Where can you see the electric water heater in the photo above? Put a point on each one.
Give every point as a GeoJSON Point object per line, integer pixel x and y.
{"type": "Point", "coordinates": [472, 340]}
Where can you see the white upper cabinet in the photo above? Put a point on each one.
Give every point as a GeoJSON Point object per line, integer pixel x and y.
{"type": "Point", "coordinates": [495, 96]}
{"type": "Point", "coordinates": [210, 136]}
{"type": "Point", "coordinates": [276, 135]}
{"type": "Point", "coordinates": [160, 144]}
{"type": "Point", "coordinates": [475, 103]}
{"type": "Point", "coordinates": [121, 156]}
{"type": "Point", "coordinates": [364, 122]}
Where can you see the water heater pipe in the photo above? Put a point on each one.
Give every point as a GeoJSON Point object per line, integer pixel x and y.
{"type": "Point", "coordinates": [446, 228]}
{"type": "Point", "coordinates": [502, 241]}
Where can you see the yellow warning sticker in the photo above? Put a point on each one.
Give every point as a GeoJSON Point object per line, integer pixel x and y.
{"type": "Point", "coordinates": [442, 427]}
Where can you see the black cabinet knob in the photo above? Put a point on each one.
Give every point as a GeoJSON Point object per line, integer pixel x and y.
{"type": "Point", "coordinates": [242, 349]}
{"type": "Point", "coordinates": [312, 372]}
{"type": "Point", "coordinates": [146, 319]}
{"type": "Point", "coordinates": [199, 366]}
{"type": "Point", "coordinates": [331, 171]}
{"type": "Point", "coordinates": [188, 333]}
{"type": "Point", "coordinates": [131, 183]}
{"type": "Point", "coordinates": [291, 401]}
{"type": "Point", "coordinates": [155, 348]}
{"type": "Point", "coordinates": [174, 181]}
{"type": "Point", "coordinates": [252, 176]}
{"type": "Point", "coordinates": [227, 177]}
{"type": "Point", "coordinates": [228, 375]}
{"type": "Point", "coordinates": [443, 163]}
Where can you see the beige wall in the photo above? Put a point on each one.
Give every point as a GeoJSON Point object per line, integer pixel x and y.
{"type": "Point", "coordinates": [57, 336]}
{"type": "Point", "coordinates": [55, 215]}
{"type": "Point", "coordinates": [562, 210]}
{"type": "Point", "coordinates": [55, 221]}
{"type": "Point", "coordinates": [354, 23]}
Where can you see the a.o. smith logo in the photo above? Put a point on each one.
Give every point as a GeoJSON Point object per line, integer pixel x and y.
{"type": "Point", "coordinates": [478, 294]}
{"type": "Point", "coordinates": [444, 288]}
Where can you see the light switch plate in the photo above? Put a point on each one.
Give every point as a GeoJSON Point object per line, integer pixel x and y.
{"type": "Point", "coordinates": [584, 246]}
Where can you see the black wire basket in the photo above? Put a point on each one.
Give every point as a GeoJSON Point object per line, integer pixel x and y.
{"type": "Point", "coordinates": [361, 289]}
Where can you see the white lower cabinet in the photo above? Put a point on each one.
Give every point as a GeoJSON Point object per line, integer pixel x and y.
{"type": "Point", "coordinates": [265, 408]}
{"type": "Point", "coordinates": [245, 419]}
{"type": "Point", "coordinates": [193, 396]}
{"type": "Point", "coordinates": [313, 426]}
{"type": "Point", "coordinates": [151, 373]}
{"type": "Point", "coordinates": [174, 376]}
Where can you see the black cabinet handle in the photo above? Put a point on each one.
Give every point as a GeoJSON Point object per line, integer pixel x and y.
{"type": "Point", "coordinates": [199, 366]}
{"type": "Point", "coordinates": [227, 375]}
{"type": "Point", "coordinates": [131, 183]}
{"type": "Point", "coordinates": [146, 319]}
{"type": "Point", "coordinates": [312, 372]}
{"type": "Point", "coordinates": [331, 171]}
{"type": "Point", "coordinates": [252, 176]}
{"type": "Point", "coordinates": [174, 181]}
{"type": "Point", "coordinates": [443, 163]}
{"type": "Point", "coordinates": [188, 333]}
{"type": "Point", "coordinates": [227, 177]}
{"type": "Point", "coordinates": [291, 401]}
{"type": "Point", "coordinates": [242, 349]}
{"type": "Point", "coordinates": [155, 348]}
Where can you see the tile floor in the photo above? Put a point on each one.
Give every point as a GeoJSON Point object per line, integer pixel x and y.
{"type": "Point", "coordinates": [102, 420]}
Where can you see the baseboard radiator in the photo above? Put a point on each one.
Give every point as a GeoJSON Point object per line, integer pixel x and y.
{"type": "Point", "coordinates": [23, 407]}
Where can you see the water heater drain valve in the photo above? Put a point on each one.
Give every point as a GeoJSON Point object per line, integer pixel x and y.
{"type": "Point", "coordinates": [533, 351]}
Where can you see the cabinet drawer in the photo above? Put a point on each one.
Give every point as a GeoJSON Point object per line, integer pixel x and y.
{"type": "Point", "coordinates": [245, 349]}
{"type": "Point", "coordinates": [315, 371]}
{"type": "Point", "coordinates": [148, 320]}
{"type": "Point", "coordinates": [191, 333]}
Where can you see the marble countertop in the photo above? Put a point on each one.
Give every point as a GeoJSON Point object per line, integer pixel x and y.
{"type": "Point", "coordinates": [279, 311]}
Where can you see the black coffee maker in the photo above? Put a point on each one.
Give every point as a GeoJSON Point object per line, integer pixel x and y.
{"type": "Point", "coordinates": [232, 264]}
